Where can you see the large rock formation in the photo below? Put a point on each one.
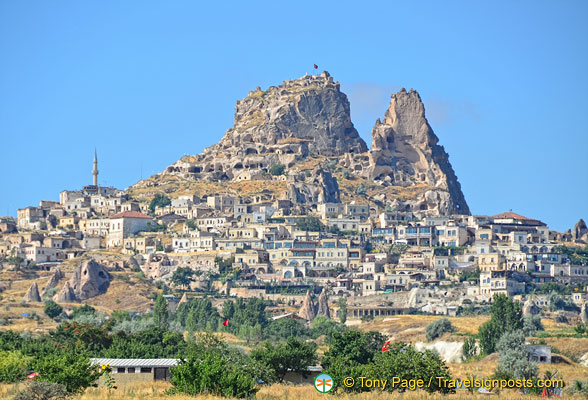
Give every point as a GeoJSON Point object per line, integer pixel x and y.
{"type": "Point", "coordinates": [584, 312]}
{"type": "Point", "coordinates": [405, 152]}
{"type": "Point", "coordinates": [307, 309]}
{"type": "Point", "coordinates": [580, 231]}
{"type": "Point", "coordinates": [309, 118]}
{"type": "Point", "coordinates": [33, 293]}
{"type": "Point", "coordinates": [281, 125]}
{"type": "Point", "coordinates": [89, 280]}
{"type": "Point", "coordinates": [54, 280]}
{"type": "Point", "coordinates": [323, 304]}
{"type": "Point", "coordinates": [66, 295]}
{"type": "Point", "coordinates": [530, 307]}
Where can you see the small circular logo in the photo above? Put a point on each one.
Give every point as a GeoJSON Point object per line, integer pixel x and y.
{"type": "Point", "coordinates": [323, 383]}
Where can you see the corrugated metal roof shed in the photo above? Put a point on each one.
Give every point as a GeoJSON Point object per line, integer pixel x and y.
{"type": "Point", "coordinates": [136, 362]}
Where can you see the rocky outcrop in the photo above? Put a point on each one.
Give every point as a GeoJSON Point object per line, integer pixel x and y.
{"type": "Point", "coordinates": [580, 231]}
{"type": "Point", "coordinates": [319, 187]}
{"type": "Point", "coordinates": [89, 280]}
{"type": "Point", "coordinates": [584, 313]}
{"type": "Point", "coordinates": [530, 307]}
{"type": "Point", "coordinates": [323, 304]}
{"type": "Point", "coordinates": [32, 294]}
{"type": "Point", "coordinates": [65, 295]}
{"type": "Point", "coordinates": [281, 125]}
{"type": "Point", "coordinates": [54, 280]}
{"type": "Point", "coordinates": [307, 309]}
{"type": "Point", "coordinates": [405, 152]}
{"type": "Point", "coordinates": [309, 117]}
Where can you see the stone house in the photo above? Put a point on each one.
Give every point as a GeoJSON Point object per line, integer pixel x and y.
{"type": "Point", "coordinates": [125, 224]}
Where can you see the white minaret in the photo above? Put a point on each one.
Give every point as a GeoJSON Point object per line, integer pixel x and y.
{"type": "Point", "coordinates": [95, 170]}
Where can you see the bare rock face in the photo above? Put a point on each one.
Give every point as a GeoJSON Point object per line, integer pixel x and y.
{"type": "Point", "coordinates": [323, 304]}
{"type": "Point", "coordinates": [54, 280]}
{"type": "Point", "coordinates": [32, 294]}
{"type": "Point", "coordinates": [309, 117]}
{"type": "Point", "coordinates": [584, 313]}
{"type": "Point", "coordinates": [405, 151]}
{"type": "Point", "coordinates": [89, 280]}
{"type": "Point", "coordinates": [66, 295]}
{"type": "Point", "coordinates": [307, 308]}
{"type": "Point", "coordinates": [281, 125]}
{"type": "Point", "coordinates": [530, 307]}
{"type": "Point", "coordinates": [319, 187]}
{"type": "Point", "coordinates": [580, 231]}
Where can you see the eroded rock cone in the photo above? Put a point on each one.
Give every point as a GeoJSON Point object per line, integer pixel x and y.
{"type": "Point", "coordinates": [33, 293]}
{"type": "Point", "coordinates": [66, 295]}
{"type": "Point", "coordinates": [54, 280]}
{"type": "Point", "coordinates": [89, 280]}
{"type": "Point", "coordinates": [323, 304]}
{"type": "Point", "coordinates": [307, 308]}
{"type": "Point", "coordinates": [580, 230]}
{"type": "Point", "coordinates": [584, 313]}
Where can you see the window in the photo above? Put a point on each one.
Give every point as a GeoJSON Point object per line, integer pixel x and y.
{"type": "Point", "coordinates": [120, 370]}
{"type": "Point", "coordinates": [145, 370]}
{"type": "Point", "coordinates": [131, 370]}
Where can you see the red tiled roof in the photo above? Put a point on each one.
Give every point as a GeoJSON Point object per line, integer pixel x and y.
{"type": "Point", "coordinates": [130, 214]}
{"type": "Point", "coordinates": [511, 215]}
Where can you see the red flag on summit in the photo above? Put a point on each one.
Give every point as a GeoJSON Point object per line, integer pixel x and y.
{"type": "Point", "coordinates": [315, 66]}
{"type": "Point", "coordinates": [226, 322]}
{"type": "Point", "coordinates": [33, 375]}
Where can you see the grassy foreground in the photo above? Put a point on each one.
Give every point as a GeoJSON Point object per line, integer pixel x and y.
{"type": "Point", "coordinates": [156, 391]}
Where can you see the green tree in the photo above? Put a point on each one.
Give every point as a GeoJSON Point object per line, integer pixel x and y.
{"type": "Point", "coordinates": [69, 368]}
{"type": "Point", "coordinates": [191, 224]}
{"type": "Point", "coordinates": [160, 313]}
{"type": "Point", "coordinates": [470, 349]}
{"type": "Point", "coordinates": [342, 303]}
{"type": "Point", "coordinates": [295, 355]}
{"type": "Point", "coordinates": [322, 325]}
{"type": "Point", "coordinates": [532, 324]}
{"type": "Point", "coordinates": [277, 169]}
{"type": "Point", "coordinates": [437, 328]}
{"type": "Point", "coordinates": [513, 357]}
{"type": "Point", "coordinates": [506, 316]}
{"type": "Point", "coordinates": [214, 368]}
{"type": "Point", "coordinates": [361, 189]}
{"type": "Point", "coordinates": [13, 366]}
{"type": "Point", "coordinates": [354, 347]}
{"type": "Point", "coordinates": [182, 277]}
{"type": "Point", "coordinates": [159, 200]}
{"type": "Point", "coordinates": [52, 309]}
{"type": "Point", "coordinates": [284, 328]}
{"type": "Point", "coordinates": [309, 223]}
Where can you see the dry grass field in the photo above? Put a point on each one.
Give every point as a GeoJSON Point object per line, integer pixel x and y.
{"type": "Point", "coordinates": [157, 391]}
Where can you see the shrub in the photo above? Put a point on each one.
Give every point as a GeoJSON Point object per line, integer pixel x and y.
{"type": "Point", "coordinates": [470, 350]}
{"type": "Point", "coordinates": [579, 387]}
{"type": "Point", "coordinates": [277, 169]}
{"type": "Point", "coordinates": [295, 355]}
{"type": "Point", "coordinates": [52, 309]}
{"type": "Point", "coordinates": [532, 324]}
{"type": "Point", "coordinates": [438, 328]}
{"type": "Point", "coordinates": [39, 390]}
{"type": "Point", "coordinates": [13, 366]}
{"type": "Point", "coordinates": [213, 368]}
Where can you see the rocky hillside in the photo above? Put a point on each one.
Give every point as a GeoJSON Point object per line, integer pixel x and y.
{"type": "Point", "coordinates": [305, 125]}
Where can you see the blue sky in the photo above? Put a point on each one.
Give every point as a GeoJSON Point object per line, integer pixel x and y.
{"type": "Point", "coordinates": [504, 84]}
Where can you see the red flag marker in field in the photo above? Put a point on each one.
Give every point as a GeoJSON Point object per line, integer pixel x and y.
{"type": "Point", "coordinates": [33, 375]}
{"type": "Point", "coordinates": [386, 346]}
{"type": "Point", "coordinates": [226, 322]}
